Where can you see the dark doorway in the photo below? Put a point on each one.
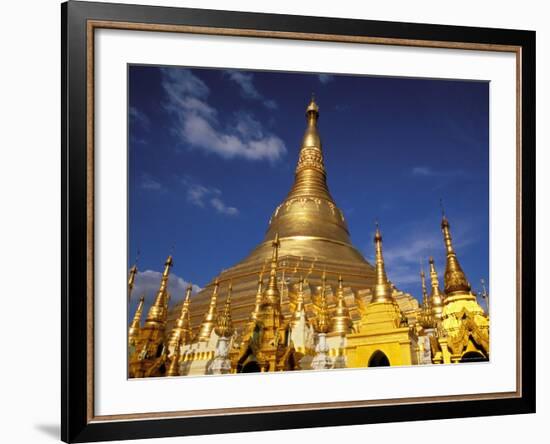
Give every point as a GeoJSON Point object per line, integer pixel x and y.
{"type": "Point", "coordinates": [251, 367]}
{"type": "Point", "coordinates": [379, 359]}
{"type": "Point", "coordinates": [473, 357]}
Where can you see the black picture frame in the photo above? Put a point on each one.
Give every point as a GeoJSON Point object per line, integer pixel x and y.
{"type": "Point", "coordinates": [76, 423]}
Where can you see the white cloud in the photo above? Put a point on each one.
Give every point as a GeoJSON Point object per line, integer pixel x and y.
{"type": "Point", "coordinates": [221, 207]}
{"type": "Point", "coordinates": [147, 182]}
{"type": "Point", "coordinates": [245, 80]}
{"type": "Point", "coordinates": [147, 284]}
{"type": "Point", "coordinates": [325, 78]}
{"type": "Point", "coordinates": [429, 172]}
{"type": "Point", "coordinates": [139, 117]}
{"type": "Point", "coordinates": [204, 197]}
{"type": "Point", "coordinates": [200, 126]}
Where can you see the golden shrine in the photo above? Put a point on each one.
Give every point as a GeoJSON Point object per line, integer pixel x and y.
{"type": "Point", "coordinates": [306, 299]}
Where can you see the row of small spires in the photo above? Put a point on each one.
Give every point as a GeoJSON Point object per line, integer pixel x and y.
{"type": "Point", "coordinates": [455, 282]}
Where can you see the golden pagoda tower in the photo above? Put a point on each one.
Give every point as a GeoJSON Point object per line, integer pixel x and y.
{"type": "Point", "coordinates": [181, 333]}
{"type": "Point", "coordinates": [464, 325]}
{"type": "Point", "coordinates": [313, 234]}
{"type": "Point", "coordinates": [384, 337]}
{"type": "Point", "coordinates": [135, 326]}
{"type": "Point", "coordinates": [150, 345]}
{"type": "Point", "coordinates": [341, 320]}
{"type": "Point", "coordinates": [210, 317]}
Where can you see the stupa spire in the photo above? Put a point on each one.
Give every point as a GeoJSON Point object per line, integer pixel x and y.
{"type": "Point", "coordinates": [259, 296]}
{"type": "Point", "coordinates": [323, 319]}
{"type": "Point", "coordinates": [135, 326]}
{"type": "Point", "coordinates": [182, 329]}
{"type": "Point", "coordinates": [455, 279]}
{"type": "Point", "coordinates": [341, 321]}
{"type": "Point", "coordinates": [299, 310]}
{"type": "Point", "coordinates": [158, 311]}
{"type": "Point", "coordinates": [173, 367]}
{"type": "Point", "coordinates": [210, 316]}
{"type": "Point", "coordinates": [382, 291]}
{"type": "Point", "coordinates": [272, 295]}
{"type": "Point", "coordinates": [424, 290]}
{"type": "Point", "coordinates": [310, 179]}
{"type": "Point", "coordinates": [224, 324]}
{"type": "Point", "coordinates": [436, 297]}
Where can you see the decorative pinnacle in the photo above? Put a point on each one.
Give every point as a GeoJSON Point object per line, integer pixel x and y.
{"type": "Point", "coordinates": [135, 326]}
{"type": "Point", "coordinates": [272, 295]}
{"type": "Point", "coordinates": [210, 316]}
{"type": "Point", "coordinates": [455, 279]}
{"type": "Point", "coordinates": [224, 326]}
{"type": "Point", "coordinates": [341, 321]}
{"type": "Point", "coordinates": [382, 291]}
{"type": "Point", "coordinates": [158, 311]}
{"type": "Point", "coordinates": [423, 282]}
{"type": "Point", "coordinates": [323, 320]}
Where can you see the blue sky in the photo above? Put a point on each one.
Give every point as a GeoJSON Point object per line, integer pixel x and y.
{"type": "Point", "coordinates": [212, 152]}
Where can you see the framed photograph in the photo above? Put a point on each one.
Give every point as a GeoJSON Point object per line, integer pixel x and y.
{"type": "Point", "coordinates": [276, 221]}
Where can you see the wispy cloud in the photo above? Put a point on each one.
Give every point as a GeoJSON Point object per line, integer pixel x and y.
{"type": "Point", "coordinates": [424, 171]}
{"type": "Point", "coordinates": [147, 182]}
{"type": "Point", "coordinates": [147, 284]}
{"type": "Point", "coordinates": [208, 197]}
{"type": "Point", "coordinates": [325, 78]}
{"type": "Point", "coordinates": [138, 117]}
{"type": "Point", "coordinates": [245, 81]}
{"type": "Point", "coordinates": [200, 125]}
{"type": "Point", "coordinates": [221, 207]}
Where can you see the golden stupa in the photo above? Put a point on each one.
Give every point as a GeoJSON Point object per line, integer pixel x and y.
{"type": "Point", "coordinates": [314, 238]}
{"type": "Point", "coordinates": [306, 298]}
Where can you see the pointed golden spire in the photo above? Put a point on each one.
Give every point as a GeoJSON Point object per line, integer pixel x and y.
{"type": "Point", "coordinates": [423, 282]}
{"type": "Point", "coordinates": [310, 177]}
{"type": "Point", "coordinates": [436, 297]}
{"type": "Point", "coordinates": [455, 279]}
{"type": "Point", "coordinates": [174, 367]}
{"type": "Point", "coordinates": [135, 326]}
{"type": "Point", "coordinates": [224, 325]}
{"type": "Point", "coordinates": [299, 310]}
{"type": "Point", "coordinates": [259, 297]}
{"type": "Point", "coordinates": [210, 316]}
{"type": "Point", "coordinates": [341, 321]}
{"type": "Point", "coordinates": [323, 319]}
{"type": "Point", "coordinates": [272, 295]}
{"type": "Point", "coordinates": [131, 280]}
{"type": "Point", "coordinates": [158, 311]}
{"type": "Point", "coordinates": [382, 291]}
{"type": "Point", "coordinates": [181, 333]}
